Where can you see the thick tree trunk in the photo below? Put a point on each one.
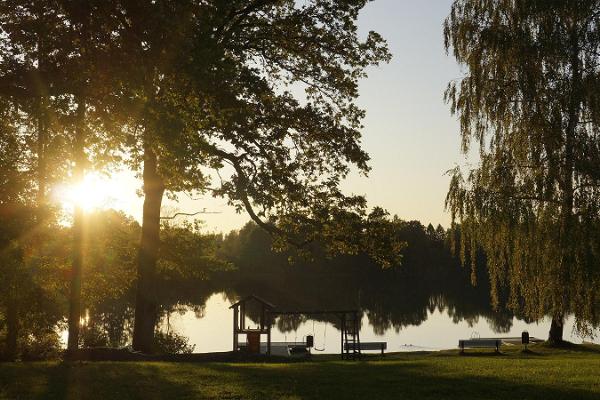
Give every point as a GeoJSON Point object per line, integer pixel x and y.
{"type": "Point", "coordinates": [555, 336]}
{"type": "Point", "coordinates": [146, 305]}
{"type": "Point", "coordinates": [77, 255]}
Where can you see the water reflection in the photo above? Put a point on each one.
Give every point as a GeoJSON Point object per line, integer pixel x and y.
{"type": "Point", "coordinates": [411, 309]}
{"type": "Point", "coordinates": [438, 331]}
{"type": "Point", "coordinates": [390, 300]}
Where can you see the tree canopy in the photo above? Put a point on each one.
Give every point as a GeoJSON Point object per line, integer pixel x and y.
{"type": "Point", "coordinates": [529, 100]}
{"type": "Point", "coordinates": [251, 101]}
{"type": "Point", "coordinates": [254, 103]}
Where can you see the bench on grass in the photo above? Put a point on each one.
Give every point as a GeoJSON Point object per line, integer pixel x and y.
{"type": "Point", "coordinates": [479, 344]}
{"type": "Point", "coordinates": [379, 346]}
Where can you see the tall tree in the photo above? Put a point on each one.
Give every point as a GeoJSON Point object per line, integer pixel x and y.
{"type": "Point", "coordinates": [80, 41]}
{"type": "Point", "coordinates": [13, 197]}
{"type": "Point", "coordinates": [54, 70]}
{"type": "Point", "coordinates": [530, 101]}
{"type": "Point", "coordinates": [260, 94]}
{"type": "Point", "coordinates": [151, 35]}
{"type": "Point", "coordinates": [26, 28]}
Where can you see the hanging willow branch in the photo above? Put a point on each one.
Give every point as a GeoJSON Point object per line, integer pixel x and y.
{"type": "Point", "coordinates": [532, 203]}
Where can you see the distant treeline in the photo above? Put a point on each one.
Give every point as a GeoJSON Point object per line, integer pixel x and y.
{"type": "Point", "coordinates": [429, 277]}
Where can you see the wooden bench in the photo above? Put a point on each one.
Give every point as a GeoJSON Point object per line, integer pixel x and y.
{"type": "Point", "coordinates": [479, 344]}
{"type": "Point", "coordinates": [379, 346]}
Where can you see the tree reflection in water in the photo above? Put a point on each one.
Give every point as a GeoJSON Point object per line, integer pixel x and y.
{"type": "Point", "coordinates": [430, 279]}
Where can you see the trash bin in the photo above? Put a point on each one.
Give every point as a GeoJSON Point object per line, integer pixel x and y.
{"type": "Point", "coordinates": [253, 342]}
{"type": "Point", "coordinates": [310, 341]}
{"type": "Point", "coordinates": [525, 337]}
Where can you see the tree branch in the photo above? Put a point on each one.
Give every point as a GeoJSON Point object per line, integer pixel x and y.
{"type": "Point", "coordinates": [235, 17]}
{"type": "Point", "coordinates": [190, 214]}
{"type": "Point", "coordinates": [243, 197]}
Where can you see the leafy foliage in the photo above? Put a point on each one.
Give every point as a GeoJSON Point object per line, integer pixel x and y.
{"type": "Point", "coordinates": [171, 343]}
{"type": "Point", "coordinates": [255, 103]}
{"type": "Point", "coordinates": [529, 101]}
{"type": "Point", "coordinates": [186, 253]}
{"type": "Point", "coordinates": [430, 279]}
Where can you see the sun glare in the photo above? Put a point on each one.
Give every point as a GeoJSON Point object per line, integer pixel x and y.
{"type": "Point", "coordinates": [94, 192]}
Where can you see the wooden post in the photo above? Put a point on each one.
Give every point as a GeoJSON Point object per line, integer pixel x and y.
{"type": "Point", "coordinates": [344, 337]}
{"type": "Point", "coordinates": [235, 328]}
{"type": "Point", "coordinates": [268, 338]}
{"type": "Point", "coordinates": [242, 316]}
{"type": "Point", "coordinates": [357, 332]}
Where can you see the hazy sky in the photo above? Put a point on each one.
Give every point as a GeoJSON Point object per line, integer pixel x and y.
{"type": "Point", "coordinates": [409, 133]}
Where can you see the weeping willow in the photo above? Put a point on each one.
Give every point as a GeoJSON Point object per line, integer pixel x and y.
{"type": "Point", "coordinates": [529, 101]}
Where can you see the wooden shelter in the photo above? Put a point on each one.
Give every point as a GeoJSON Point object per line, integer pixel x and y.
{"type": "Point", "coordinates": [252, 335]}
{"type": "Point", "coordinates": [350, 347]}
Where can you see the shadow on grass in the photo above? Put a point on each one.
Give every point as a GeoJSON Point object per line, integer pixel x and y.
{"type": "Point", "coordinates": [393, 380]}
{"type": "Point", "coordinates": [571, 347]}
{"type": "Point", "coordinates": [457, 378]}
{"type": "Point", "coordinates": [81, 380]}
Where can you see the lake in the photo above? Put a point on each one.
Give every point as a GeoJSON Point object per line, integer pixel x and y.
{"type": "Point", "coordinates": [427, 304]}
{"type": "Point", "coordinates": [211, 330]}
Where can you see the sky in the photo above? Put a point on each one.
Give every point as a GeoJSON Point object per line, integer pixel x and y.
{"type": "Point", "coordinates": [409, 133]}
{"type": "Point", "coordinates": [408, 130]}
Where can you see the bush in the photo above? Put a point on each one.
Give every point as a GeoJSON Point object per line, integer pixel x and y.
{"type": "Point", "coordinates": [172, 343]}
{"type": "Point", "coordinates": [93, 336]}
{"type": "Point", "coordinates": [42, 346]}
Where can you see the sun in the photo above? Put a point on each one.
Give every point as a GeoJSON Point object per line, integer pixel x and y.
{"type": "Point", "coordinates": [94, 192]}
{"type": "Point", "coordinates": [100, 191]}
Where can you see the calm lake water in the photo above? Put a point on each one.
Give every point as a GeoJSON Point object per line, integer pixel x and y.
{"type": "Point", "coordinates": [211, 330]}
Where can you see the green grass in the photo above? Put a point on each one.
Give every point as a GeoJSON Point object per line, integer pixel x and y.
{"type": "Point", "coordinates": [546, 374]}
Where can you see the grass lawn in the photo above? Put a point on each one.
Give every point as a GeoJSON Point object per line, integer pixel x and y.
{"type": "Point", "coordinates": [545, 374]}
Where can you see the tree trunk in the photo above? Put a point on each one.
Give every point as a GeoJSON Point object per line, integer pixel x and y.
{"type": "Point", "coordinates": [77, 255]}
{"type": "Point", "coordinates": [146, 305]}
{"type": "Point", "coordinates": [555, 336]}
{"type": "Point", "coordinates": [12, 315]}
{"type": "Point", "coordinates": [561, 302]}
{"type": "Point", "coordinates": [41, 155]}
{"type": "Point", "coordinates": [76, 273]}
